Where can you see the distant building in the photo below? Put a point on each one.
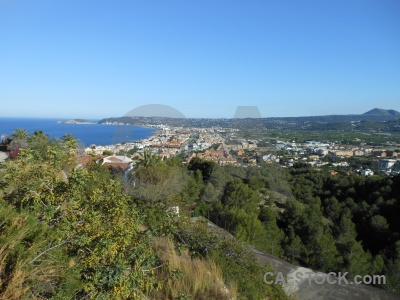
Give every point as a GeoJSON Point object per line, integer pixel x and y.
{"type": "Point", "coordinates": [117, 163]}
{"type": "Point", "coordinates": [322, 152]}
{"type": "Point", "coordinates": [358, 152]}
{"type": "Point", "coordinates": [313, 157]}
{"type": "Point", "coordinates": [380, 153]}
{"type": "Point", "coordinates": [386, 163]}
{"type": "Point", "coordinates": [385, 153]}
{"type": "Point", "coordinates": [391, 154]}
{"type": "Point", "coordinates": [367, 172]}
{"type": "Point", "coordinates": [345, 153]}
{"type": "Point", "coordinates": [396, 167]}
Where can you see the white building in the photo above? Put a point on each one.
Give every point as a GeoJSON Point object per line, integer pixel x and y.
{"type": "Point", "coordinates": [386, 163]}
{"type": "Point", "coordinates": [367, 172]}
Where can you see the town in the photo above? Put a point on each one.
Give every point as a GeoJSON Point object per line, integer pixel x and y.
{"type": "Point", "coordinates": [228, 146]}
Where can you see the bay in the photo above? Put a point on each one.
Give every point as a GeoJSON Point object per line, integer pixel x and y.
{"type": "Point", "coordinates": [87, 134]}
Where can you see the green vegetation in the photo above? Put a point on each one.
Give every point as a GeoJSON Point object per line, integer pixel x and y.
{"type": "Point", "coordinates": [338, 223]}
{"type": "Point", "coordinates": [69, 232]}
{"type": "Point", "coordinates": [345, 137]}
{"type": "Point", "coordinates": [107, 152]}
{"type": "Point", "coordinates": [80, 233]}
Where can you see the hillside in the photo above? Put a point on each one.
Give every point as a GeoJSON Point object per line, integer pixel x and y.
{"type": "Point", "coordinates": [368, 123]}
{"type": "Point", "coordinates": [303, 290]}
{"type": "Point", "coordinates": [119, 238]}
{"type": "Point", "coordinates": [383, 112]}
{"type": "Point", "coordinates": [73, 232]}
{"type": "Point", "coordinates": [374, 115]}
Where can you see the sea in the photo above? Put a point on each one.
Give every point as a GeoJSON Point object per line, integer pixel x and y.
{"type": "Point", "coordinates": [87, 134]}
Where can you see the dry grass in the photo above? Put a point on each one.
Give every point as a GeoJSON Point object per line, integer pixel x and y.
{"type": "Point", "coordinates": [18, 277]}
{"type": "Point", "coordinates": [201, 279]}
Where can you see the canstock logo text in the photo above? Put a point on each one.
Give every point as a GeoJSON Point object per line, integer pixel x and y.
{"type": "Point", "coordinates": [311, 277]}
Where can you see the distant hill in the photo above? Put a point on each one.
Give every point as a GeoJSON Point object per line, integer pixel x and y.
{"type": "Point", "coordinates": [311, 122]}
{"type": "Point", "coordinates": [383, 112]}
{"type": "Point", "coordinates": [76, 121]}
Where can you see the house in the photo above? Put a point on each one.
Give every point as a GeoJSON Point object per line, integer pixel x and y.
{"type": "Point", "coordinates": [386, 163]}
{"type": "Point", "coordinates": [117, 163]}
{"type": "Point", "coordinates": [313, 157]}
{"type": "Point", "coordinates": [116, 159]}
{"type": "Point", "coordinates": [367, 172]}
{"type": "Point", "coordinates": [396, 167]}
{"type": "Point", "coordinates": [358, 152]}
{"type": "Point", "coordinates": [346, 153]}
{"type": "Point", "coordinates": [222, 157]}
{"type": "Point", "coordinates": [380, 153]}
{"type": "Point", "coordinates": [391, 154]}
{"type": "Point", "coordinates": [83, 160]}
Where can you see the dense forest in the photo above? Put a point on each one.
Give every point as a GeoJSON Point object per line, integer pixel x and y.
{"type": "Point", "coordinates": [327, 221]}
{"type": "Point", "coordinates": [80, 232]}
{"type": "Point", "coordinates": [331, 222]}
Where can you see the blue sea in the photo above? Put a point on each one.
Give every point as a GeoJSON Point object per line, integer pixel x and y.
{"type": "Point", "coordinates": [87, 134]}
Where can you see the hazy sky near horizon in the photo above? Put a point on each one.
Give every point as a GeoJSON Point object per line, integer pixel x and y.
{"type": "Point", "coordinates": [95, 59]}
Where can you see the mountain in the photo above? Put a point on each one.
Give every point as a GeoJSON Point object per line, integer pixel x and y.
{"type": "Point", "coordinates": [383, 112]}
{"type": "Point", "coordinates": [374, 115]}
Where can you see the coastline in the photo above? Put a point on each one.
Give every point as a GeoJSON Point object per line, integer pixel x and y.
{"type": "Point", "coordinates": [87, 134]}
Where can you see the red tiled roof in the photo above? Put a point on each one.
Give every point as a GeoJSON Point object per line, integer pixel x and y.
{"type": "Point", "coordinates": [119, 167]}
{"type": "Point", "coordinates": [113, 159]}
{"type": "Point", "coordinates": [87, 159]}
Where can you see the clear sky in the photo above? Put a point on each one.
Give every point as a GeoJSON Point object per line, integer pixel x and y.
{"type": "Point", "coordinates": [95, 59]}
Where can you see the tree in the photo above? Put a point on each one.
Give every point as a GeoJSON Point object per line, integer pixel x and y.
{"type": "Point", "coordinates": [379, 224]}
{"type": "Point", "coordinates": [157, 181]}
{"type": "Point", "coordinates": [238, 194]}
{"type": "Point", "coordinates": [206, 167]}
{"type": "Point", "coordinates": [107, 152]}
{"type": "Point", "coordinates": [20, 134]}
{"type": "Point", "coordinates": [274, 236]}
{"type": "Point", "coordinates": [133, 150]}
{"type": "Point", "coordinates": [346, 233]}
{"type": "Point", "coordinates": [191, 190]}
{"type": "Point", "coordinates": [293, 247]}
{"type": "Point", "coordinates": [109, 247]}
{"type": "Point", "coordinates": [86, 219]}
{"type": "Point", "coordinates": [323, 254]}
{"type": "Point", "coordinates": [210, 193]}
{"type": "Point", "coordinates": [70, 141]}
{"type": "Point", "coordinates": [357, 261]}
{"type": "Point", "coordinates": [31, 181]}
{"type": "Point", "coordinates": [392, 270]}
{"type": "Point", "coordinates": [251, 230]}
{"type": "Point", "coordinates": [19, 141]}
{"type": "Point", "coordinates": [332, 208]}
{"type": "Point", "coordinates": [246, 227]}
{"type": "Point", "coordinates": [148, 159]}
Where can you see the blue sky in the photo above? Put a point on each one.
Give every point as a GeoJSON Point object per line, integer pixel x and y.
{"type": "Point", "coordinates": [95, 59]}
